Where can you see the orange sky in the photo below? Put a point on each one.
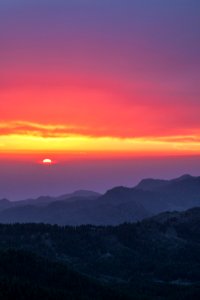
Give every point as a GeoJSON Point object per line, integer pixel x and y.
{"type": "Point", "coordinates": [94, 83]}
{"type": "Point", "coordinates": [94, 117]}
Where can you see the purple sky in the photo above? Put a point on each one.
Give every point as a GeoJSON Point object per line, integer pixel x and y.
{"type": "Point", "coordinates": [21, 180]}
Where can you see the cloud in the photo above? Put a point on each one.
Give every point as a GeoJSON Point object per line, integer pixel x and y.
{"type": "Point", "coordinates": [26, 128]}
{"type": "Point", "coordinates": [37, 129]}
{"type": "Point", "coordinates": [180, 139]}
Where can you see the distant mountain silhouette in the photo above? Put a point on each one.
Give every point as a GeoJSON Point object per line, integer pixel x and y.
{"type": "Point", "coordinates": [76, 212]}
{"type": "Point", "coordinates": [118, 205]}
{"type": "Point", "coordinates": [180, 193]}
{"type": "Point", "coordinates": [150, 184]}
{"type": "Point", "coordinates": [45, 200]}
{"type": "Point", "coordinates": [80, 193]}
{"type": "Point", "coordinates": [5, 203]}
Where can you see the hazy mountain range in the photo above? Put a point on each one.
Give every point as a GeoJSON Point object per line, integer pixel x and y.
{"type": "Point", "coordinates": [118, 205]}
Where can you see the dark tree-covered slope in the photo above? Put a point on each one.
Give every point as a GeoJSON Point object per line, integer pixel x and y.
{"type": "Point", "coordinates": [156, 259]}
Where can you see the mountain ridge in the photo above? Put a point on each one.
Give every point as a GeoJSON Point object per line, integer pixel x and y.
{"type": "Point", "coordinates": [119, 204]}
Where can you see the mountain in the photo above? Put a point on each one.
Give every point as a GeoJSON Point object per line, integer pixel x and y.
{"type": "Point", "coordinates": [153, 196]}
{"type": "Point", "coordinates": [150, 202]}
{"type": "Point", "coordinates": [80, 193]}
{"type": "Point", "coordinates": [4, 203]}
{"type": "Point", "coordinates": [155, 259]}
{"type": "Point", "coordinates": [117, 205]}
{"type": "Point", "coordinates": [45, 200]}
{"type": "Point", "coordinates": [150, 184]}
{"type": "Point", "coordinates": [77, 212]}
{"type": "Point", "coordinates": [180, 193]}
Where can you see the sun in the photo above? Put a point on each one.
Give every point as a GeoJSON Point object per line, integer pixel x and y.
{"type": "Point", "coordinates": [47, 161]}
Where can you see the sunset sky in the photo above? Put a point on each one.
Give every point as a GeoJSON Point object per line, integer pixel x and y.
{"type": "Point", "coordinates": [87, 80]}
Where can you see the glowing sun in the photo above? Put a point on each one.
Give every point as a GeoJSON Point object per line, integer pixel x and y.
{"type": "Point", "coordinates": [47, 161]}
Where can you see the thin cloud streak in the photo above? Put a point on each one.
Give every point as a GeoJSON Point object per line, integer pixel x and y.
{"type": "Point", "coordinates": [24, 128]}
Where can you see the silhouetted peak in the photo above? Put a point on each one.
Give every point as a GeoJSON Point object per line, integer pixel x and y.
{"type": "Point", "coordinates": [4, 200]}
{"type": "Point", "coordinates": [184, 177]}
{"type": "Point", "coordinates": [151, 184]}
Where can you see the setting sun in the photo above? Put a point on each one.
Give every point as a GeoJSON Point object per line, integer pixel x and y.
{"type": "Point", "coordinates": [47, 161]}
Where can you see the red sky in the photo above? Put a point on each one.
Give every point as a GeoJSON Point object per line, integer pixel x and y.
{"type": "Point", "coordinates": [113, 77]}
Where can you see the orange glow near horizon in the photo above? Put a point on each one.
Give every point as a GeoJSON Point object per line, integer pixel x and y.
{"type": "Point", "coordinates": [77, 117]}
{"type": "Point", "coordinates": [35, 139]}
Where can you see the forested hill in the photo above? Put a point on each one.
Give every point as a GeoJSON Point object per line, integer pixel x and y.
{"type": "Point", "coordinates": [157, 258]}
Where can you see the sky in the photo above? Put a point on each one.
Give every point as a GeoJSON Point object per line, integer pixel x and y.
{"type": "Point", "coordinates": [95, 83]}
